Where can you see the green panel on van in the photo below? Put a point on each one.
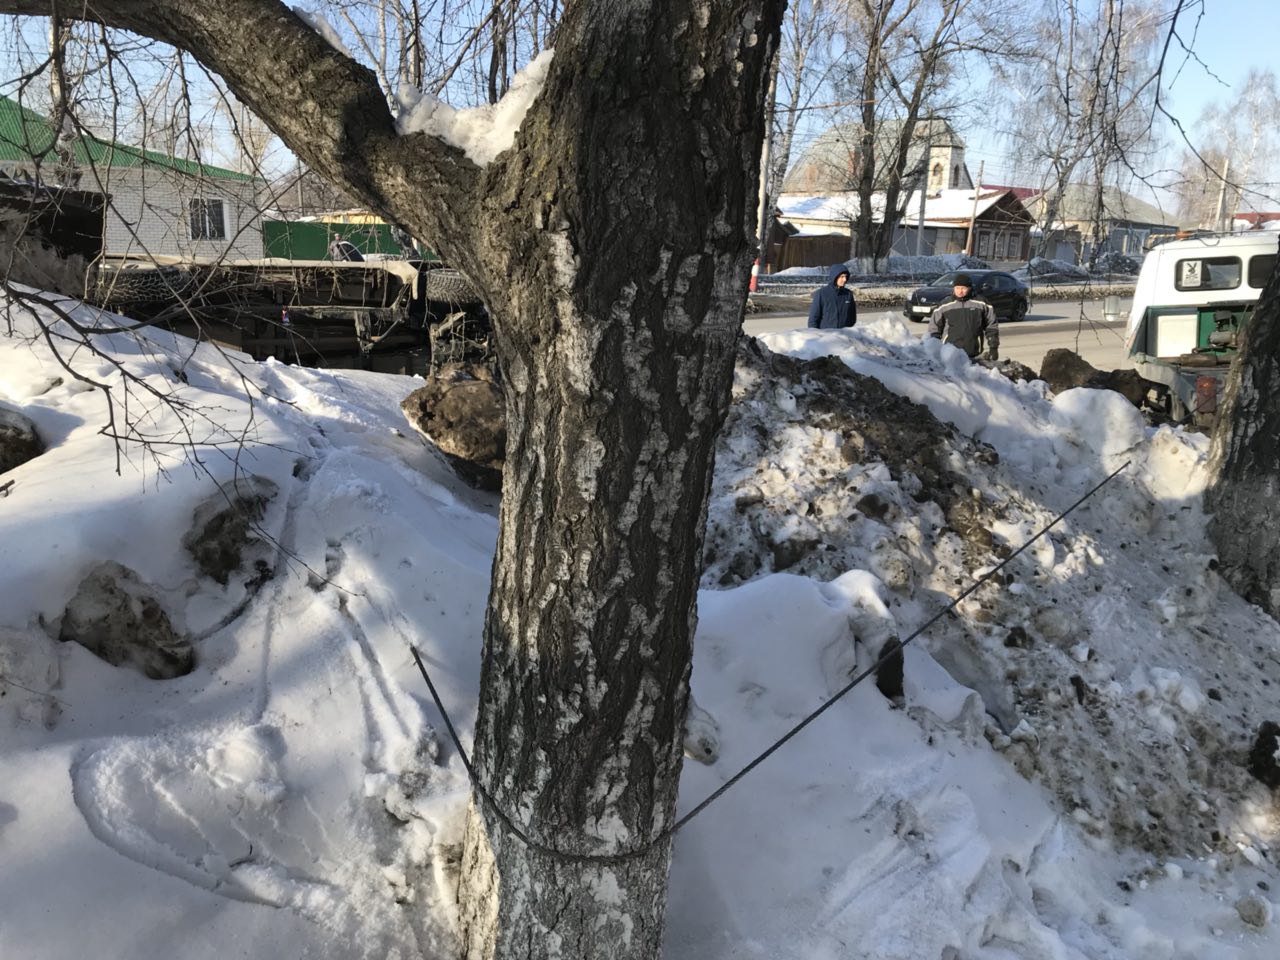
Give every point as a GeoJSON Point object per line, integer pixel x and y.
{"type": "Point", "coordinates": [1209, 323]}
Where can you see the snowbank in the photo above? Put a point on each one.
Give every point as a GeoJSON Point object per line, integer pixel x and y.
{"type": "Point", "coordinates": [291, 797]}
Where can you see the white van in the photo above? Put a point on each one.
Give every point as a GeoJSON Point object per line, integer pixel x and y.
{"type": "Point", "coordinates": [1191, 299]}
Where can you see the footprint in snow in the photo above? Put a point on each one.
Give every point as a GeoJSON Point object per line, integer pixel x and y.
{"type": "Point", "coordinates": [213, 812]}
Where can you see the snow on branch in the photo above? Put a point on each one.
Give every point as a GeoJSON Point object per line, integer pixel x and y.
{"type": "Point", "coordinates": [320, 25]}
{"type": "Point", "coordinates": [481, 132]}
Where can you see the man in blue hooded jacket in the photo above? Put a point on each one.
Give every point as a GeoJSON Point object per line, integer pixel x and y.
{"type": "Point", "coordinates": [833, 306]}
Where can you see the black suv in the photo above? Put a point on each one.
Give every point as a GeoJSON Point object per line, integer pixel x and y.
{"type": "Point", "coordinates": [1010, 296]}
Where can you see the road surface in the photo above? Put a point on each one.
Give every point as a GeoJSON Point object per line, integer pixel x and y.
{"type": "Point", "coordinates": [1071, 324]}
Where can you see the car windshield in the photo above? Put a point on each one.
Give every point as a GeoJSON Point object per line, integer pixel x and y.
{"type": "Point", "coordinates": [949, 279]}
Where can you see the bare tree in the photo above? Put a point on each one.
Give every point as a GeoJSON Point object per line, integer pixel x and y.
{"type": "Point", "coordinates": [1237, 141]}
{"type": "Point", "coordinates": [1084, 105]}
{"type": "Point", "coordinates": [626, 204]}
{"type": "Point", "coordinates": [251, 139]}
{"type": "Point", "coordinates": [1204, 187]}
{"type": "Point", "coordinates": [908, 53]}
{"type": "Point", "coordinates": [810, 53]}
{"type": "Point", "coordinates": [470, 48]}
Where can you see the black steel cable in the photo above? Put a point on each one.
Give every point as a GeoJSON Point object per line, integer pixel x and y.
{"type": "Point", "coordinates": [670, 831]}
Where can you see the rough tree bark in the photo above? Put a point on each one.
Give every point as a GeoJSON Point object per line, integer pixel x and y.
{"type": "Point", "coordinates": [612, 245]}
{"type": "Point", "coordinates": [1244, 461]}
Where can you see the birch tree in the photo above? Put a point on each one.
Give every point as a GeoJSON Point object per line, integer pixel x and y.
{"type": "Point", "coordinates": [625, 207]}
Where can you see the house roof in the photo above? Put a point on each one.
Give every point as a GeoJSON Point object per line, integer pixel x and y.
{"type": "Point", "coordinates": [1077, 205]}
{"type": "Point", "coordinates": [947, 208]}
{"type": "Point", "coordinates": [833, 207]}
{"type": "Point", "coordinates": [951, 206]}
{"type": "Point", "coordinates": [1257, 218]}
{"type": "Point", "coordinates": [1022, 193]}
{"type": "Point", "coordinates": [27, 136]}
{"type": "Point", "coordinates": [829, 163]}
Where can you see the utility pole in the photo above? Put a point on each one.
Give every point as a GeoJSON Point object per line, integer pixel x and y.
{"type": "Point", "coordinates": [763, 220]}
{"type": "Point", "coordinates": [924, 188]}
{"type": "Point", "coordinates": [977, 190]}
{"type": "Point", "coordinates": [1222, 195]}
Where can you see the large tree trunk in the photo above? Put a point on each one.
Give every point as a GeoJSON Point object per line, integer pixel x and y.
{"type": "Point", "coordinates": [625, 227]}
{"type": "Point", "coordinates": [612, 245]}
{"type": "Point", "coordinates": [1244, 461]}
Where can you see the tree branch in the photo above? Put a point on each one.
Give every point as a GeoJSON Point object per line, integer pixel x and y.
{"type": "Point", "coordinates": [326, 107]}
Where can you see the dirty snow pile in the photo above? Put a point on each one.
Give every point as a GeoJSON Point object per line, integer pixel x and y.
{"type": "Point", "coordinates": [1050, 271]}
{"type": "Point", "coordinates": [214, 742]}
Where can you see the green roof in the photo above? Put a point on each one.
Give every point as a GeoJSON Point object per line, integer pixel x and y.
{"type": "Point", "coordinates": [26, 136]}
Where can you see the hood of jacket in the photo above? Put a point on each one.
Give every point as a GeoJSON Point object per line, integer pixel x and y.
{"type": "Point", "coordinates": [835, 270]}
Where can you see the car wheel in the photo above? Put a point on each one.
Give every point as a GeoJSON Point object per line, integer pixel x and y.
{"type": "Point", "coordinates": [1019, 312]}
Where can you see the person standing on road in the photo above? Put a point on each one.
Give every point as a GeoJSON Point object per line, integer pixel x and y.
{"type": "Point", "coordinates": [966, 322]}
{"type": "Point", "coordinates": [833, 305]}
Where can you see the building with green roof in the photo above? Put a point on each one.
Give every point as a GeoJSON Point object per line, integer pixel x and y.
{"type": "Point", "coordinates": [159, 205]}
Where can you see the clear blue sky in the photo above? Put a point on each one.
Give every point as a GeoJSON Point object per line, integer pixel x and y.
{"type": "Point", "coordinates": [1230, 37]}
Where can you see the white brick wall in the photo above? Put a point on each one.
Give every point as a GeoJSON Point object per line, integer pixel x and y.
{"type": "Point", "coordinates": [149, 213]}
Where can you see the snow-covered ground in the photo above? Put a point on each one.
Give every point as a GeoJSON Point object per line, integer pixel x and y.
{"type": "Point", "coordinates": [1065, 779]}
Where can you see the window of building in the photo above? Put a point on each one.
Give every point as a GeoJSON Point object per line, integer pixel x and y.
{"type": "Point", "coordinates": [1207, 273]}
{"type": "Point", "coordinates": [208, 220]}
{"type": "Point", "coordinates": [955, 176]}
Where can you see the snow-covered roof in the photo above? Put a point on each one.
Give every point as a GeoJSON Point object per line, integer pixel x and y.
{"type": "Point", "coordinates": [949, 208]}
{"type": "Point", "coordinates": [815, 230]}
{"type": "Point", "coordinates": [1078, 201]}
{"type": "Point", "coordinates": [834, 207]}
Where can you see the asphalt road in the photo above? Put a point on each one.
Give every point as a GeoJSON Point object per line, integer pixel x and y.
{"type": "Point", "coordinates": [1076, 325]}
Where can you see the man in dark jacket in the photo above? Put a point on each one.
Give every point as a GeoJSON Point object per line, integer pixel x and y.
{"type": "Point", "coordinates": [833, 306]}
{"type": "Point", "coordinates": [967, 322]}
